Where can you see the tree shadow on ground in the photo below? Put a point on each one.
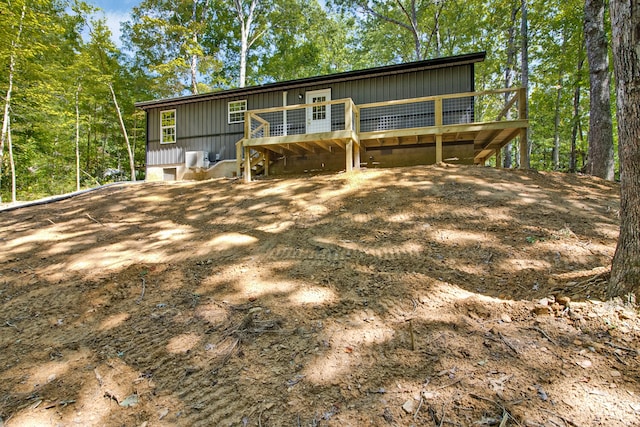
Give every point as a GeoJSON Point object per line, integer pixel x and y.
{"type": "Point", "coordinates": [327, 300]}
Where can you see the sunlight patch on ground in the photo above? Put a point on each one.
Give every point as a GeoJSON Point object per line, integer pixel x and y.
{"type": "Point", "coordinates": [212, 313]}
{"type": "Point", "coordinates": [226, 241]}
{"type": "Point", "coordinates": [581, 274]}
{"type": "Point", "coordinates": [183, 343]}
{"type": "Point", "coordinates": [347, 340]}
{"type": "Point", "coordinates": [360, 218]}
{"type": "Point", "coordinates": [457, 237]}
{"type": "Point", "coordinates": [401, 217]}
{"type": "Point", "coordinates": [408, 248]}
{"type": "Point", "coordinates": [313, 295]}
{"type": "Point", "coordinates": [113, 321]}
{"type": "Point", "coordinates": [276, 227]}
{"type": "Point", "coordinates": [257, 287]}
{"type": "Point", "coordinates": [519, 264]}
{"type": "Point", "coordinates": [42, 374]}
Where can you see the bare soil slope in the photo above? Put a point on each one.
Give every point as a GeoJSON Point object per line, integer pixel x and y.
{"type": "Point", "coordinates": [430, 296]}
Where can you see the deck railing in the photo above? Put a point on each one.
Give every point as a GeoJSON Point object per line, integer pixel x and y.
{"type": "Point", "coordinates": [301, 119]}
{"type": "Point", "coordinates": [344, 115]}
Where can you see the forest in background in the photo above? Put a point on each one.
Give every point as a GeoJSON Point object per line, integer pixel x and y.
{"type": "Point", "coordinates": [68, 91]}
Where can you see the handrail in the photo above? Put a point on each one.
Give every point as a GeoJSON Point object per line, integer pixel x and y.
{"type": "Point", "coordinates": [435, 97]}
{"type": "Point", "coordinates": [352, 111]}
{"type": "Point", "coordinates": [300, 106]}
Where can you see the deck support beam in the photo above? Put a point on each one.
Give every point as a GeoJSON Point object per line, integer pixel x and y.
{"type": "Point", "coordinates": [247, 164]}
{"type": "Point", "coordinates": [349, 156]}
{"type": "Point", "coordinates": [499, 158]}
{"type": "Point", "coordinates": [267, 160]}
{"type": "Point", "coordinates": [438, 148]}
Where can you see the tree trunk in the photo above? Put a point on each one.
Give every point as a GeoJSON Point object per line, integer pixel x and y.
{"type": "Point", "coordinates": [576, 118]}
{"type": "Point", "coordinates": [78, 138]}
{"type": "Point", "coordinates": [509, 75]}
{"type": "Point", "coordinates": [194, 58]}
{"type": "Point", "coordinates": [7, 99]}
{"type": "Point", "coordinates": [625, 19]}
{"type": "Point", "coordinates": [123, 128]}
{"type": "Point", "coordinates": [556, 128]}
{"type": "Point", "coordinates": [600, 162]}
{"type": "Point", "coordinates": [12, 163]}
{"type": "Point", "coordinates": [246, 21]}
{"type": "Point", "coordinates": [524, 55]}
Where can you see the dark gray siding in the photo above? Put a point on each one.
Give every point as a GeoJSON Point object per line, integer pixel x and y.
{"type": "Point", "coordinates": [202, 126]}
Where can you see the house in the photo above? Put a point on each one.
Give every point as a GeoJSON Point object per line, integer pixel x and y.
{"type": "Point", "coordinates": [414, 113]}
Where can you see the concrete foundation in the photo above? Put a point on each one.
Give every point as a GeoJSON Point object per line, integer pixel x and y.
{"type": "Point", "coordinates": [221, 169]}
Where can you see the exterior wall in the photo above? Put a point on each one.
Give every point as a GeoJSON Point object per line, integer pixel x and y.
{"type": "Point", "coordinates": [203, 125]}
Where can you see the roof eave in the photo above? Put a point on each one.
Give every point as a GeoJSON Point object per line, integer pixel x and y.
{"type": "Point", "coordinates": [308, 81]}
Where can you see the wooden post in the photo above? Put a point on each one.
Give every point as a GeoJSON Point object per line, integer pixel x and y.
{"type": "Point", "coordinates": [356, 153]}
{"type": "Point", "coordinates": [499, 158]}
{"type": "Point", "coordinates": [348, 115]}
{"type": "Point", "coordinates": [239, 157]}
{"type": "Point", "coordinates": [438, 148]}
{"type": "Point", "coordinates": [438, 111]}
{"type": "Point", "coordinates": [349, 155]}
{"type": "Point", "coordinates": [247, 124]}
{"type": "Point", "coordinates": [247, 164]}
{"type": "Point", "coordinates": [267, 160]}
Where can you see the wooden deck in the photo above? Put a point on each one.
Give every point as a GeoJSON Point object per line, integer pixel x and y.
{"type": "Point", "coordinates": [491, 119]}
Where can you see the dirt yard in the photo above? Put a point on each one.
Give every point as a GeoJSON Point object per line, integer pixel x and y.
{"type": "Point", "coordinates": [426, 296]}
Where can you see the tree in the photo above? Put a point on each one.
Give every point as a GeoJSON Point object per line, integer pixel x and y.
{"type": "Point", "coordinates": [408, 30]}
{"type": "Point", "coordinates": [252, 26]}
{"type": "Point", "coordinates": [600, 161]}
{"type": "Point", "coordinates": [305, 40]}
{"type": "Point", "coordinates": [625, 270]}
{"type": "Point", "coordinates": [168, 38]}
{"type": "Point", "coordinates": [5, 134]}
{"type": "Point", "coordinates": [106, 54]}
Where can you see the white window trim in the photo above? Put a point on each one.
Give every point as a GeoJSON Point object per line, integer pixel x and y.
{"type": "Point", "coordinates": [229, 112]}
{"type": "Point", "coordinates": [162, 128]}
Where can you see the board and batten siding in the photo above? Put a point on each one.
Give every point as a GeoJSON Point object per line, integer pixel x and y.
{"type": "Point", "coordinates": [203, 125]}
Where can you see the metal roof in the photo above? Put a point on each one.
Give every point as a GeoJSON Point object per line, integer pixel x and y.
{"type": "Point", "coordinates": [331, 78]}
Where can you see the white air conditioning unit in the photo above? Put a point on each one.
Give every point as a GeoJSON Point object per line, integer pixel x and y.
{"type": "Point", "coordinates": [196, 159]}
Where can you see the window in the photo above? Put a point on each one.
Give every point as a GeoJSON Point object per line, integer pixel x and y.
{"type": "Point", "coordinates": [320, 112]}
{"type": "Point", "coordinates": [237, 110]}
{"type": "Point", "coordinates": [168, 127]}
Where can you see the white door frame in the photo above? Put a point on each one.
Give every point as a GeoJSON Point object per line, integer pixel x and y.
{"type": "Point", "coordinates": [318, 118]}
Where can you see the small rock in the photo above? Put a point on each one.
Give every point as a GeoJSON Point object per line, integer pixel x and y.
{"type": "Point", "coordinates": [427, 395]}
{"type": "Point", "coordinates": [409, 406]}
{"type": "Point", "coordinates": [505, 318]}
{"type": "Point", "coordinates": [542, 310]}
{"type": "Point", "coordinates": [563, 300]}
{"type": "Point", "coordinates": [129, 401]}
{"type": "Point", "coordinates": [544, 301]}
{"type": "Point", "coordinates": [625, 315]}
{"type": "Point", "coordinates": [615, 373]}
{"type": "Point", "coordinates": [163, 413]}
{"type": "Point", "coordinates": [255, 310]}
{"type": "Point", "coordinates": [586, 363]}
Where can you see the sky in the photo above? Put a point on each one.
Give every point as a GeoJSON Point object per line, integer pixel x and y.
{"type": "Point", "coordinates": [115, 11]}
